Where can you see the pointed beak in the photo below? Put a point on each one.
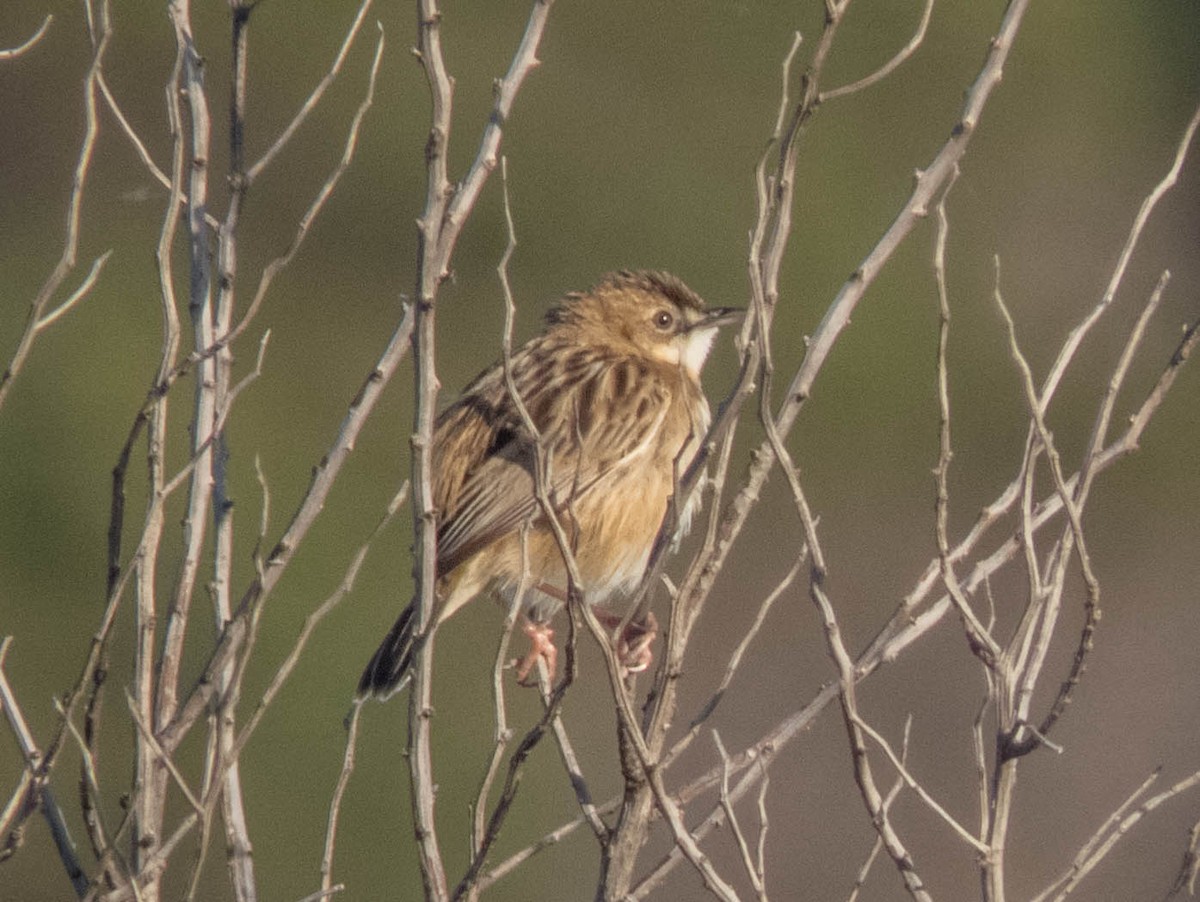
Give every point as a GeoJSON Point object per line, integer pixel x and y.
{"type": "Point", "coordinates": [716, 317]}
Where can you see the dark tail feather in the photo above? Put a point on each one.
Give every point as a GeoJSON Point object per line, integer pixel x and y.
{"type": "Point", "coordinates": [388, 673]}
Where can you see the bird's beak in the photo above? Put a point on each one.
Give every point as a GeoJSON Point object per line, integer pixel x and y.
{"type": "Point", "coordinates": [716, 317]}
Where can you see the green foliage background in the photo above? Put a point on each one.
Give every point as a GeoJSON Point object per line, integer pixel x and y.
{"type": "Point", "coordinates": [633, 145]}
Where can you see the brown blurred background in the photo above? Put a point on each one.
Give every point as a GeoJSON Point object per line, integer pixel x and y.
{"type": "Point", "coordinates": [633, 145]}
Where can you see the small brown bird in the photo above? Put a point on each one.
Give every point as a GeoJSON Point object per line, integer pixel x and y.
{"type": "Point", "coordinates": [613, 387]}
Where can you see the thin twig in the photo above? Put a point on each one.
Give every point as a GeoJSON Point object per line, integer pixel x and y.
{"type": "Point", "coordinates": [1114, 829]}
{"type": "Point", "coordinates": [335, 803]}
{"type": "Point", "coordinates": [313, 620]}
{"type": "Point", "coordinates": [350, 146]}
{"type": "Point", "coordinates": [148, 736]}
{"type": "Point", "coordinates": [78, 294]}
{"type": "Point", "coordinates": [32, 791]}
{"type": "Point", "coordinates": [1185, 880]}
{"type": "Point", "coordinates": [888, 800]}
{"type": "Point", "coordinates": [981, 642]}
{"type": "Point", "coordinates": [752, 866]}
{"type": "Point", "coordinates": [735, 659]}
{"type": "Point", "coordinates": [446, 210]}
{"type": "Point", "coordinates": [83, 165]}
{"type": "Point", "coordinates": [335, 68]}
{"type": "Point", "coordinates": [891, 65]}
{"type": "Point", "coordinates": [920, 790]}
{"type": "Point", "coordinates": [28, 43]}
{"type": "Point", "coordinates": [1075, 339]}
{"type": "Point", "coordinates": [863, 774]}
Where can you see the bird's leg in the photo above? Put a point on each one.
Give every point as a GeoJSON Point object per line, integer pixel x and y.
{"type": "Point", "coordinates": [634, 644]}
{"type": "Point", "coordinates": [541, 645]}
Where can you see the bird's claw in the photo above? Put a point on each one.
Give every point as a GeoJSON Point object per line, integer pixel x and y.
{"type": "Point", "coordinates": [541, 647]}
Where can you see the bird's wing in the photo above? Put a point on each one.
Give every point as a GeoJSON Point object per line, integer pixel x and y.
{"type": "Point", "coordinates": [598, 418]}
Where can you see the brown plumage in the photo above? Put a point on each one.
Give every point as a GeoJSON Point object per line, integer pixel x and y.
{"type": "Point", "coordinates": [613, 388]}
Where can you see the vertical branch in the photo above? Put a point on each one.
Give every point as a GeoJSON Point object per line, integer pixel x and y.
{"type": "Point", "coordinates": [420, 758]}
{"type": "Point", "coordinates": [769, 237]}
{"type": "Point", "coordinates": [237, 839]}
{"type": "Point", "coordinates": [154, 705]}
{"type": "Point", "coordinates": [445, 213]}
{"type": "Point", "coordinates": [195, 521]}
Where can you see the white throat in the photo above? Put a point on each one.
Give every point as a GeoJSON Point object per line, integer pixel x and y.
{"type": "Point", "coordinates": [696, 345]}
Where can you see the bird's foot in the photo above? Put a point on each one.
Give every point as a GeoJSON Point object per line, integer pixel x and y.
{"type": "Point", "coordinates": [541, 647]}
{"type": "Point", "coordinates": [634, 644]}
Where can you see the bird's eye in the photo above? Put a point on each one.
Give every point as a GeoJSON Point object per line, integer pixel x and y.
{"type": "Point", "coordinates": [664, 319]}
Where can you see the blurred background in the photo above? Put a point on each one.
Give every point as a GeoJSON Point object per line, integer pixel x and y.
{"type": "Point", "coordinates": [633, 145]}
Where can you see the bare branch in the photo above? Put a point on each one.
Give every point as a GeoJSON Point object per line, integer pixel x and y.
{"type": "Point", "coordinates": [314, 619]}
{"type": "Point", "coordinates": [83, 165]}
{"type": "Point", "coordinates": [29, 43]}
{"type": "Point", "coordinates": [920, 790]}
{"type": "Point", "coordinates": [445, 212]}
{"type": "Point", "coordinates": [272, 269]}
{"type": "Point", "coordinates": [1185, 881]}
{"type": "Point", "coordinates": [1131, 242]}
{"type": "Point", "coordinates": [32, 791]}
{"type": "Point", "coordinates": [1115, 828]}
{"type": "Point", "coordinates": [335, 803]}
{"type": "Point", "coordinates": [888, 800]}
{"type": "Point", "coordinates": [752, 865]}
{"type": "Point", "coordinates": [891, 65]}
{"type": "Point", "coordinates": [253, 172]}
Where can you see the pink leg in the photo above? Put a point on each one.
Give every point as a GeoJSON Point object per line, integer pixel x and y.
{"type": "Point", "coordinates": [634, 644]}
{"type": "Point", "coordinates": [541, 645]}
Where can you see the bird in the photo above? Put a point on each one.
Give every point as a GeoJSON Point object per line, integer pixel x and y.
{"type": "Point", "coordinates": [612, 389]}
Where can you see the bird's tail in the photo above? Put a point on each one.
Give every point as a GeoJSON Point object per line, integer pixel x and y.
{"type": "Point", "coordinates": [387, 673]}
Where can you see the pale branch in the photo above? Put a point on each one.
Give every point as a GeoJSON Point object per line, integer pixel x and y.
{"type": "Point", "coordinates": [752, 865]}
{"type": "Point", "coordinates": [1072, 502]}
{"type": "Point", "coordinates": [462, 201]}
{"type": "Point", "coordinates": [1113, 830]}
{"type": "Point", "coordinates": [115, 865]}
{"type": "Point", "coordinates": [198, 142]}
{"type": "Point", "coordinates": [83, 165]}
{"type": "Point", "coordinates": [323, 478]}
{"type": "Point", "coordinates": [335, 802]}
{"type": "Point", "coordinates": [888, 800]}
{"type": "Point", "coordinates": [8, 53]}
{"type": "Point", "coordinates": [314, 98]}
{"type": "Point", "coordinates": [1168, 181]}
{"type": "Point", "coordinates": [326, 473]}
{"type": "Point", "coordinates": [1104, 416]}
{"type": "Point", "coordinates": [502, 733]}
{"type": "Point", "coordinates": [891, 65]}
{"type": "Point", "coordinates": [980, 639]}
{"type": "Point", "coordinates": [77, 295]}
{"type": "Point", "coordinates": [863, 774]}
{"type": "Point", "coordinates": [147, 735]}
{"type": "Point", "coordinates": [930, 181]}
{"type": "Point", "coordinates": [317, 205]}
{"type": "Point", "coordinates": [735, 659]}
{"type": "Point", "coordinates": [445, 212]}
{"type": "Point", "coordinates": [313, 620]}
{"type": "Point", "coordinates": [914, 784]}
{"type": "Point", "coordinates": [420, 700]}
{"type": "Point", "coordinates": [32, 792]}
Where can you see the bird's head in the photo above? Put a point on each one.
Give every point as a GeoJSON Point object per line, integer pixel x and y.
{"type": "Point", "coordinates": [652, 314]}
